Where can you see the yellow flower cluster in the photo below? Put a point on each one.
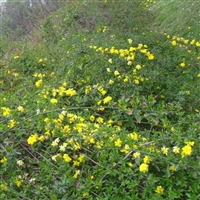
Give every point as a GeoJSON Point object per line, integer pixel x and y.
{"type": "Point", "coordinates": [70, 92]}
{"type": "Point", "coordinates": [127, 54]}
{"type": "Point", "coordinates": [183, 43]}
{"type": "Point", "coordinates": [63, 91]}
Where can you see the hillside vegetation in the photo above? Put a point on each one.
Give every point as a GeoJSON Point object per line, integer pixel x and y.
{"type": "Point", "coordinates": [101, 100]}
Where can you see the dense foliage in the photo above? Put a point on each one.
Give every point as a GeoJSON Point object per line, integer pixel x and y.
{"type": "Point", "coordinates": [101, 103]}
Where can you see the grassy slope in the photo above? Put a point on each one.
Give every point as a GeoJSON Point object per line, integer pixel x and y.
{"type": "Point", "coordinates": [175, 16]}
{"type": "Point", "coordinates": [160, 110]}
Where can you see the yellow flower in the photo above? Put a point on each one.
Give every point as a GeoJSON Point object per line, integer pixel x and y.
{"type": "Point", "coordinates": [85, 194]}
{"type": "Point", "coordinates": [130, 164]}
{"type": "Point", "coordinates": [133, 136]}
{"type": "Point", "coordinates": [32, 139]}
{"type": "Point", "coordinates": [76, 174]}
{"type": "Point", "coordinates": [3, 160]}
{"type": "Point", "coordinates": [182, 64]}
{"type": "Point", "coordinates": [134, 71]}
{"type": "Point", "coordinates": [190, 143]}
{"type": "Point", "coordinates": [132, 49]}
{"type": "Point", "coordinates": [198, 44]}
{"type": "Point", "coordinates": [130, 41]}
{"type": "Point", "coordinates": [110, 61]}
{"type": "Point", "coordinates": [54, 101]}
{"type": "Point", "coordinates": [92, 118]}
{"type": "Point", "coordinates": [16, 57]}
{"type": "Point", "coordinates": [38, 83]}
{"type": "Point", "coordinates": [40, 60]}
{"type": "Point", "coordinates": [101, 108]}
{"type": "Point", "coordinates": [41, 138]}
{"type": "Point", "coordinates": [118, 143]}
{"type": "Point", "coordinates": [146, 159]}
{"type": "Point", "coordinates": [111, 81]}
{"type": "Point", "coordinates": [159, 190]}
{"type": "Point", "coordinates": [136, 154]}
{"type": "Point", "coordinates": [144, 168]}
{"type": "Point", "coordinates": [137, 82]}
{"type": "Point", "coordinates": [172, 168]}
{"type": "Point", "coordinates": [126, 79]}
{"type": "Point", "coordinates": [46, 120]}
{"type": "Point", "coordinates": [6, 111]}
{"type": "Point", "coordinates": [99, 102]}
{"type": "Point", "coordinates": [107, 99]}
{"type": "Point", "coordinates": [150, 56]}
{"type": "Point", "coordinates": [54, 157]}
{"type": "Point", "coordinates": [99, 144]}
{"type": "Point", "coordinates": [32, 180]}
{"type": "Point", "coordinates": [165, 150]}
{"type": "Point", "coordinates": [173, 43]}
{"type": "Point", "coordinates": [100, 120]}
{"type": "Point", "coordinates": [81, 158]}
{"type": "Point", "coordinates": [143, 51]}
{"type": "Point", "coordinates": [88, 88]}
{"type": "Point", "coordinates": [20, 162]}
{"type": "Point", "coordinates": [54, 144]}
{"type": "Point", "coordinates": [101, 90]}
{"type": "Point", "coordinates": [40, 75]}
{"type": "Point", "coordinates": [116, 73]}
{"type": "Point", "coordinates": [70, 92]}
{"type": "Point", "coordinates": [76, 163]}
{"type": "Point", "coordinates": [186, 150]}
{"type": "Point", "coordinates": [104, 29]}
{"type": "Point", "coordinates": [140, 46]}
{"type": "Point", "coordinates": [108, 70]}
{"type": "Point", "coordinates": [126, 149]}
{"type": "Point", "coordinates": [138, 67]}
{"type": "Point", "coordinates": [129, 63]}
{"type": "Point", "coordinates": [192, 42]}
{"type": "Point", "coordinates": [91, 140]}
{"type": "Point", "coordinates": [176, 149]}
{"type": "Point", "coordinates": [18, 183]}
{"type": "Point", "coordinates": [4, 187]}
{"type": "Point", "coordinates": [67, 158]}
{"type": "Point", "coordinates": [20, 109]}
{"type": "Point", "coordinates": [12, 123]}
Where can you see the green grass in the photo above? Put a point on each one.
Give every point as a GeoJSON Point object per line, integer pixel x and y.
{"type": "Point", "coordinates": [178, 17]}
{"type": "Point", "coordinates": [99, 104]}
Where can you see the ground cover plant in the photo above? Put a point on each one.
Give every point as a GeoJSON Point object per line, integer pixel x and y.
{"type": "Point", "coordinates": [102, 103]}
